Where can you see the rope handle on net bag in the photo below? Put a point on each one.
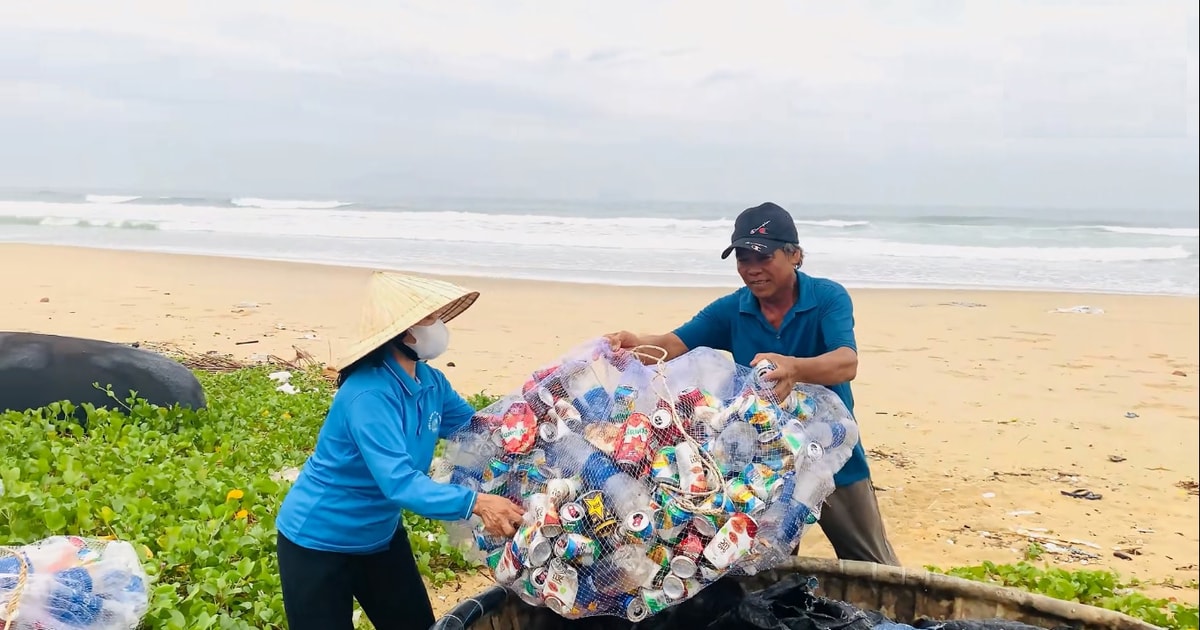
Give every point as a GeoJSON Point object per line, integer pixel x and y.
{"type": "Point", "coordinates": [13, 605]}
{"type": "Point", "coordinates": [688, 500]}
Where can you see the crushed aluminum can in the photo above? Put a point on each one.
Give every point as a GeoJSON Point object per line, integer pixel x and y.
{"type": "Point", "coordinates": [633, 446]}
{"type": "Point", "coordinates": [638, 526]}
{"type": "Point", "coordinates": [573, 518]}
{"type": "Point", "coordinates": [518, 429]}
{"type": "Point", "coordinates": [562, 490]}
{"type": "Point", "coordinates": [505, 564]}
{"type": "Point", "coordinates": [732, 542]}
{"type": "Point", "coordinates": [677, 588]}
{"type": "Point", "coordinates": [656, 600]}
{"type": "Point", "coordinates": [545, 515]}
{"type": "Point", "coordinates": [688, 400]}
{"type": "Point", "coordinates": [761, 370]}
{"type": "Point", "coordinates": [600, 516]}
{"type": "Point", "coordinates": [763, 481]}
{"type": "Point", "coordinates": [561, 588]}
{"type": "Point", "coordinates": [662, 467]}
{"type": "Point", "coordinates": [634, 608]}
{"type": "Point", "coordinates": [576, 548]}
{"type": "Point", "coordinates": [692, 477]}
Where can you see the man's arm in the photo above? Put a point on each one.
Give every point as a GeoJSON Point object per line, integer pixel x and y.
{"type": "Point", "coordinates": [711, 327]}
{"type": "Point", "coordinates": [839, 363]}
{"type": "Point", "coordinates": [832, 368]}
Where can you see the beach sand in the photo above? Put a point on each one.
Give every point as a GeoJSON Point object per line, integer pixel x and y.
{"type": "Point", "coordinates": [977, 408]}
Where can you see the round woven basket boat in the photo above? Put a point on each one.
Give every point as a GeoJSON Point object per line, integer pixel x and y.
{"type": "Point", "coordinates": [902, 594]}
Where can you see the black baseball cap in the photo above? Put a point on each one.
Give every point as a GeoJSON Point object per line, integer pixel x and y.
{"type": "Point", "coordinates": [763, 229]}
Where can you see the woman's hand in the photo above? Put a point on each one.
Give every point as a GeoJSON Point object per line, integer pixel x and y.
{"type": "Point", "coordinates": [501, 517]}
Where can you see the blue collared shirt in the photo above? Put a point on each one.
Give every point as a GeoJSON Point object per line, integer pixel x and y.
{"type": "Point", "coordinates": [822, 320]}
{"type": "Point", "coordinates": [371, 459]}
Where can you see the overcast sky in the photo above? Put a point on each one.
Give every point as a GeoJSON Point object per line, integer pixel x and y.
{"type": "Point", "coordinates": [1069, 103]}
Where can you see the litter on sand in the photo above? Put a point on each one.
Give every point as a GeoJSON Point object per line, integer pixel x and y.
{"type": "Point", "coordinates": [1082, 309]}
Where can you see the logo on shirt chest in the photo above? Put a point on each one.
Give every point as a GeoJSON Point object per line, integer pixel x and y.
{"type": "Point", "coordinates": [435, 421]}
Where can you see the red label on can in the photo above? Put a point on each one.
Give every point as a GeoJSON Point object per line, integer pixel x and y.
{"type": "Point", "coordinates": [691, 545]}
{"type": "Point", "coordinates": [518, 428]}
{"type": "Point", "coordinates": [688, 401]}
{"type": "Point", "coordinates": [634, 446]}
{"type": "Point", "coordinates": [540, 375]}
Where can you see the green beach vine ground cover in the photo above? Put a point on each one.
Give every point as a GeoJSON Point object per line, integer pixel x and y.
{"type": "Point", "coordinates": [196, 494]}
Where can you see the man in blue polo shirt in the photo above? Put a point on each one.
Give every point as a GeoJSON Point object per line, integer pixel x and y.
{"type": "Point", "coordinates": [804, 325]}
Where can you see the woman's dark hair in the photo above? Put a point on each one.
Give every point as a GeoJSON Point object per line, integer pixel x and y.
{"type": "Point", "coordinates": [376, 357]}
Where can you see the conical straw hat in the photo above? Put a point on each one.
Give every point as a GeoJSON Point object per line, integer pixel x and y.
{"type": "Point", "coordinates": [395, 302]}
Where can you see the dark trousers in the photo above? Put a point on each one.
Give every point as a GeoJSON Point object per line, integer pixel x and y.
{"type": "Point", "coordinates": [851, 521]}
{"type": "Point", "coordinates": [319, 587]}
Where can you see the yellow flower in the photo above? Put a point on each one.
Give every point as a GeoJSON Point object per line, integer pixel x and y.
{"type": "Point", "coordinates": [234, 495]}
{"type": "Point", "coordinates": [287, 416]}
{"type": "Point", "coordinates": [241, 514]}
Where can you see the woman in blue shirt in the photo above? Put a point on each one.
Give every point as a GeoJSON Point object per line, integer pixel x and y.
{"type": "Point", "coordinates": [340, 535]}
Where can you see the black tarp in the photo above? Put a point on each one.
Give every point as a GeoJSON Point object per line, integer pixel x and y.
{"type": "Point", "coordinates": [789, 604]}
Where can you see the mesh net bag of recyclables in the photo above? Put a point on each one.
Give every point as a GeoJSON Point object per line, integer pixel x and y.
{"type": "Point", "coordinates": [72, 583]}
{"type": "Point", "coordinates": [642, 484]}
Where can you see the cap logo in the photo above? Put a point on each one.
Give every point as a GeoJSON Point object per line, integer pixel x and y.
{"type": "Point", "coordinates": [758, 247]}
{"type": "Point", "coordinates": [762, 229]}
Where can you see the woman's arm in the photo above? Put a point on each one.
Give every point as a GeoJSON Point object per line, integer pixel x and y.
{"type": "Point", "coordinates": [380, 439]}
{"type": "Point", "coordinates": [456, 411]}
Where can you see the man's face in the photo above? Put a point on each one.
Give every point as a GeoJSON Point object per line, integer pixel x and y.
{"type": "Point", "coordinates": [767, 276]}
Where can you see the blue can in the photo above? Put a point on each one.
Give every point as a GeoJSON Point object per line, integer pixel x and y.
{"type": "Point", "coordinates": [633, 607]}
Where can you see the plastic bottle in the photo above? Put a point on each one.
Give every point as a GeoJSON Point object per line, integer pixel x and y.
{"type": "Point", "coordinates": [812, 488]}
{"type": "Point", "coordinates": [470, 453]}
{"type": "Point", "coordinates": [735, 447]}
{"type": "Point", "coordinates": [626, 494]}
{"type": "Point", "coordinates": [621, 571]}
{"type": "Point", "coordinates": [574, 456]}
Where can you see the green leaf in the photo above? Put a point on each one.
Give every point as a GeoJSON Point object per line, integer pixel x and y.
{"type": "Point", "coordinates": [56, 523]}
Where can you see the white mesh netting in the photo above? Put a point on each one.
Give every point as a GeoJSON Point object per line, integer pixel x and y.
{"type": "Point", "coordinates": [644, 483]}
{"type": "Point", "coordinates": [72, 583]}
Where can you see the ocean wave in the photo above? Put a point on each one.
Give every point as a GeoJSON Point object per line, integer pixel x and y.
{"type": "Point", "coordinates": [833, 223]}
{"type": "Point", "coordinates": [110, 198]}
{"type": "Point", "coordinates": [85, 223]}
{"type": "Point", "coordinates": [191, 202]}
{"type": "Point", "coordinates": [899, 249]}
{"type": "Point", "coordinates": [288, 204]}
{"type": "Point", "coordinates": [235, 202]}
{"type": "Point", "coordinates": [555, 233]}
{"type": "Point", "coordinates": [1148, 231]}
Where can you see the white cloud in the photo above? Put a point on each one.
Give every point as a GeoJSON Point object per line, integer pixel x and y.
{"type": "Point", "coordinates": [922, 81]}
{"type": "Point", "coordinates": [33, 100]}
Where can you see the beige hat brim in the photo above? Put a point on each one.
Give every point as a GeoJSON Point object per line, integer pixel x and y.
{"type": "Point", "coordinates": [396, 302]}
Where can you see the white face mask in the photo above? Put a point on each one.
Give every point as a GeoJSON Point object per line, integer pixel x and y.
{"type": "Point", "coordinates": [430, 341]}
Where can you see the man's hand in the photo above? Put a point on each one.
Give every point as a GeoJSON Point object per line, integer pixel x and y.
{"type": "Point", "coordinates": [785, 373]}
{"type": "Point", "coordinates": [623, 339]}
{"type": "Point", "coordinates": [501, 516]}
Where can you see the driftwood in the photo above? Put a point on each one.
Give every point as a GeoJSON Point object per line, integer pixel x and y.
{"type": "Point", "coordinates": [213, 361]}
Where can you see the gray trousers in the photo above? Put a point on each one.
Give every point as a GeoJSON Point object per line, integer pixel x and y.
{"type": "Point", "coordinates": [851, 521]}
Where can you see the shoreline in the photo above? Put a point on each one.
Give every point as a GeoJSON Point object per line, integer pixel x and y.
{"type": "Point", "coordinates": [734, 283]}
{"type": "Point", "coordinates": [977, 408]}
